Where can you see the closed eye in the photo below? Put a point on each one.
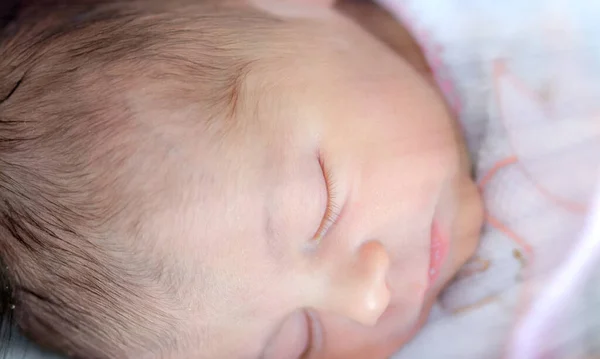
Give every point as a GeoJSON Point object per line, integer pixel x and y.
{"type": "Point", "coordinates": [333, 210]}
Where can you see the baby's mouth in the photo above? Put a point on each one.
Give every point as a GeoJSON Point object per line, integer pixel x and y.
{"type": "Point", "coordinates": [439, 247]}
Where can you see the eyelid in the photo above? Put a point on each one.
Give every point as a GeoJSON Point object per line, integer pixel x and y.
{"type": "Point", "coordinates": [333, 210]}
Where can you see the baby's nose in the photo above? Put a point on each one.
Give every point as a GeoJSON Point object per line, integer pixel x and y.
{"type": "Point", "coordinates": [357, 285]}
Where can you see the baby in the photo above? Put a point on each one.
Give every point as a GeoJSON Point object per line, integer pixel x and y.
{"type": "Point", "coordinates": [222, 179]}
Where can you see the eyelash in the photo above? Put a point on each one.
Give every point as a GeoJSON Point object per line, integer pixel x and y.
{"type": "Point", "coordinates": [332, 212]}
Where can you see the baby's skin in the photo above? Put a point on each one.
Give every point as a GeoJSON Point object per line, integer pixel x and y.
{"type": "Point", "coordinates": [358, 203]}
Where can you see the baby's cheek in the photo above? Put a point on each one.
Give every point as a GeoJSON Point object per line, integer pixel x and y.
{"type": "Point", "coordinates": [469, 223]}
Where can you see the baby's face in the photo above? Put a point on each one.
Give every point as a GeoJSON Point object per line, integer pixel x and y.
{"type": "Point", "coordinates": [327, 218]}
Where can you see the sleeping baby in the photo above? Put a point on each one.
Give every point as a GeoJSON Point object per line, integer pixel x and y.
{"type": "Point", "coordinates": [264, 179]}
{"type": "Point", "coordinates": [222, 179]}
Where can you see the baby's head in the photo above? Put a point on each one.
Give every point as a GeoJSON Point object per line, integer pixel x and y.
{"type": "Point", "coordinates": [220, 179]}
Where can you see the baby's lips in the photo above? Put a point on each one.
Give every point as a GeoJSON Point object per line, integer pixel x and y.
{"type": "Point", "coordinates": [438, 252]}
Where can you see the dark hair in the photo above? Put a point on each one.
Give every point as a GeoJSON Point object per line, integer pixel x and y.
{"type": "Point", "coordinates": [66, 283]}
{"type": "Point", "coordinates": [6, 306]}
{"type": "Point", "coordinates": [62, 282]}
{"type": "Point", "coordinates": [8, 12]}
